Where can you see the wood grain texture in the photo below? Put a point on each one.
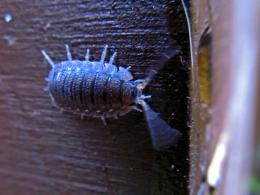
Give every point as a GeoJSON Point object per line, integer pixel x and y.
{"type": "Point", "coordinates": [43, 151]}
{"type": "Point", "coordinates": [221, 139]}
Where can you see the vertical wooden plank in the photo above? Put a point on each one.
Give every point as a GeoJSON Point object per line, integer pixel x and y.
{"type": "Point", "coordinates": [224, 126]}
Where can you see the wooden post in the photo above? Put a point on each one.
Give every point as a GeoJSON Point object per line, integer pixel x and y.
{"type": "Point", "coordinates": [224, 85]}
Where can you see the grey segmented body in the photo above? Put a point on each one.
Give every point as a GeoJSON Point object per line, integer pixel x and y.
{"type": "Point", "coordinates": [93, 88]}
{"type": "Point", "coordinates": [100, 89]}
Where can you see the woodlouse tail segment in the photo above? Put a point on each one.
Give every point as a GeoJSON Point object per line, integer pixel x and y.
{"type": "Point", "coordinates": [87, 55]}
{"type": "Point", "coordinates": [68, 52]}
{"type": "Point", "coordinates": [112, 58]}
{"type": "Point", "coordinates": [47, 58]}
{"type": "Point", "coordinates": [162, 135]}
{"type": "Point", "coordinates": [104, 53]}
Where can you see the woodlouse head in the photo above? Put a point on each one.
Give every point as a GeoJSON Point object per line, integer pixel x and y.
{"type": "Point", "coordinates": [140, 97]}
{"type": "Point", "coordinates": [129, 93]}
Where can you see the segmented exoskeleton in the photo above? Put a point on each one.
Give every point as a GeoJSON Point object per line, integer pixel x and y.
{"type": "Point", "coordinates": [101, 89]}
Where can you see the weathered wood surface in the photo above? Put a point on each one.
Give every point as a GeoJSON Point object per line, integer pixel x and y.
{"type": "Point", "coordinates": [43, 151]}
{"type": "Point", "coordinates": [227, 120]}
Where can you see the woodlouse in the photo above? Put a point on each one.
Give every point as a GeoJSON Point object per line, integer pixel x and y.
{"type": "Point", "coordinates": [103, 90]}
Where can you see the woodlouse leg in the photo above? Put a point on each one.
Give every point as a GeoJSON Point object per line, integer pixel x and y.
{"type": "Point", "coordinates": [137, 109]}
{"type": "Point", "coordinates": [116, 114]}
{"type": "Point", "coordinates": [46, 88]}
{"type": "Point", "coordinates": [53, 101]}
{"type": "Point", "coordinates": [145, 97]}
{"type": "Point", "coordinates": [62, 110]}
{"type": "Point", "coordinates": [125, 110]}
{"type": "Point", "coordinates": [82, 116]}
{"type": "Point", "coordinates": [47, 58]}
{"type": "Point", "coordinates": [104, 120]}
{"type": "Point", "coordinates": [87, 55]}
{"type": "Point", "coordinates": [112, 58]}
{"type": "Point", "coordinates": [68, 52]}
{"type": "Point", "coordinates": [104, 53]}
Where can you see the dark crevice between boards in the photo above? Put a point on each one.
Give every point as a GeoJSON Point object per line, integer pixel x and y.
{"type": "Point", "coordinates": [171, 100]}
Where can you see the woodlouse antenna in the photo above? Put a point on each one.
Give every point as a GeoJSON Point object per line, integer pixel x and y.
{"type": "Point", "coordinates": [112, 58]}
{"type": "Point", "coordinates": [163, 136]}
{"type": "Point", "coordinates": [104, 53]}
{"type": "Point", "coordinates": [150, 76]}
{"type": "Point", "coordinates": [47, 57]}
{"type": "Point", "coordinates": [87, 55]}
{"type": "Point", "coordinates": [164, 58]}
{"type": "Point", "coordinates": [68, 52]}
